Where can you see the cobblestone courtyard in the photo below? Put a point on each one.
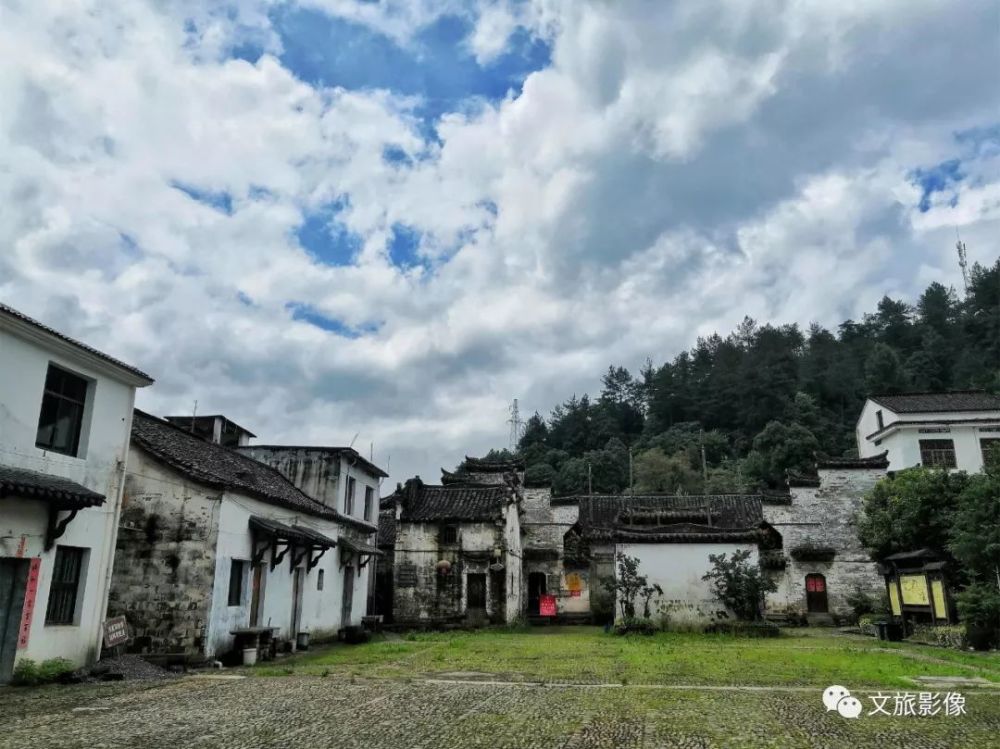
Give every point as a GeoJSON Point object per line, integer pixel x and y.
{"type": "Point", "coordinates": [315, 711]}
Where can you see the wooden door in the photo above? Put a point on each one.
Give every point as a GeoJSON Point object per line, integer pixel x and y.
{"type": "Point", "coordinates": [476, 591]}
{"type": "Point", "coordinates": [13, 584]}
{"type": "Point", "coordinates": [536, 589]}
{"type": "Point", "coordinates": [296, 601]}
{"type": "Point", "coordinates": [256, 595]}
{"type": "Point", "coordinates": [816, 602]}
{"type": "Point", "coordinates": [345, 613]}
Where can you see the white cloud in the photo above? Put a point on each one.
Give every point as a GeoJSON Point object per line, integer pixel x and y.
{"type": "Point", "coordinates": [674, 168]}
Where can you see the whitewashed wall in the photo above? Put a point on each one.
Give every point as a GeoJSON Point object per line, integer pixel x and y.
{"type": "Point", "coordinates": [100, 467]}
{"type": "Point", "coordinates": [678, 569]}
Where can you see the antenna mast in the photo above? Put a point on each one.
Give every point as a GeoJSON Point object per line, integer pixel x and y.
{"type": "Point", "coordinates": [516, 426]}
{"type": "Point", "coordinates": [963, 262]}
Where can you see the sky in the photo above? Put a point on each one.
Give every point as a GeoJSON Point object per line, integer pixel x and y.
{"type": "Point", "coordinates": [382, 221]}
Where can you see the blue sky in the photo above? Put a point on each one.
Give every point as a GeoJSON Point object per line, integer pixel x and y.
{"type": "Point", "coordinates": [390, 218]}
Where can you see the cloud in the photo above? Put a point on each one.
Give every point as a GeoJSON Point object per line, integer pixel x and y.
{"type": "Point", "coordinates": [203, 190]}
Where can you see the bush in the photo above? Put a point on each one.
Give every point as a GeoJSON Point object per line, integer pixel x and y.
{"type": "Point", "coordinates": [739, 585]}
{"type": "Point", "coordinates": [979, 608]}
{"type": "Point", "coordinates": [27, 673]}
{"type": "Point", "coordinates": [635, 626]}
{"type": "Point", "coordinates": [948, 636]}
{"type": "Point", "coordinates": [862, 604]}
{"type": "Point", "coordinates": [744, 629]}
{"type": "Point", "coordinates": [866, 622]}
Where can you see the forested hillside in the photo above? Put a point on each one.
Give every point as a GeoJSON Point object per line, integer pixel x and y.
{"type": "Point", "coordinates": [765, 398]}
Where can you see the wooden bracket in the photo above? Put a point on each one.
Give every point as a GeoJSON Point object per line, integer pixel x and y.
{"type": "Point", "coordinates": [298, 555]}
{"type": "Point", "coordinates": [258, 554]}
{"type": "Point", "coordinates": [313, 561]}
{"type": "Point", "coordinates": [56, 527]}
{"type": "Point", "coordinates": [276, 557]}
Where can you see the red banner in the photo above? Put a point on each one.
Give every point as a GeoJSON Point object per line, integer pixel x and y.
{"type": "Point", "coordinates": [30, 592]}
{"type": "Point", "coordinates": [546, 605]}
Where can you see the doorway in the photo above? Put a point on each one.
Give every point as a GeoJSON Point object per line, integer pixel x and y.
{"type": "Point", "coordinates": [13, 584]}
{"type": "Point", "coordinates": [345, 613]}
{"type": "Point", "coordinates": [256, 595]}
{"type": "Point", "coordinates": [816, 601]}
{"type": "Point", "coordinates": [476, 589]}
{"type": "Point", "coordinates": [296, 602]}
{"type": "Point", "coordinates": [536, 589]}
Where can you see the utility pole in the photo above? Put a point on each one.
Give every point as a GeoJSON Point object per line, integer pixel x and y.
{"type": "Point", "coordinates": [631, 485]}
{"type": "Point", "coordinates": [516, 426]}
{"type": "Point", "coordinates": [963, 261]}
{"type": "Point", "coordinates": [704, 465]}
{"type": "Point", "coordinates": [590, 482]}
{"type": "Point", "coordinates": [194, 413]}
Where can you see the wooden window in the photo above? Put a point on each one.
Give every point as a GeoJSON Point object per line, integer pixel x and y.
{"type": "Point", "coordinates": [349, 496]}
{"type": "Point", "coordinates": [236, 582]}
{"type": "Point", "coordinates": [991, 450]}
{"type": "Point", "coordinates": [61, 417]}
{"type": "Point", "coordinates": [369, 502]}
{"type": "Point", "coordinates": [449, 534]}
{"type": "Point", "coordinates": [65, 586]}
{"type": "Point", "coordinates": [937, 453]}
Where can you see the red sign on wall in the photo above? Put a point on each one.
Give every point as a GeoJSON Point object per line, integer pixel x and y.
{"type": "Point", "coordinates": [31, 590]}
{"type": "Point", "coordinates": [546, 605]}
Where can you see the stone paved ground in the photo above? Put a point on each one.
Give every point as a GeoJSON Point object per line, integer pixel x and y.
{"type": "Point", "coordinates": [312, 712]}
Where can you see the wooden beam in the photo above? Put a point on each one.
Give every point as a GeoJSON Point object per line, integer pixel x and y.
{"type": "Point", "coordinates": [313, 561]}
{"type": "Point", "coordinates": [56, 527]}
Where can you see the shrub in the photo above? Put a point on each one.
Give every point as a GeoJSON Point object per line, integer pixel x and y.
{"type": "Point", "coordinates": [863, 603]}
{"type": "Point", "coordinates": [979, 608]}
{"type": "Point", "coordinates": [635, 626]}
{"type": "Point", "coordinates": [744, 629]}
{"type": "Point", "coordinates": [948, 636]}
{"type": "Point", "coordinates": [629, 585]}
{"type": "Point", "coordinates": [866, 622]}
{"type": "Point", "coordinates": [28, 673]}
{"type": "Point", "coordinates": [738, 585]}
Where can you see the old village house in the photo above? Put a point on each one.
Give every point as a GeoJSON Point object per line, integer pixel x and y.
{"type": "Point", "coordinates": [213, 540]}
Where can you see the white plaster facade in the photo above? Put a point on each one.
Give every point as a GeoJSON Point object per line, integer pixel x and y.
{"type": "Point", "coordinates": [678, 569]}
{"type": "Point", "coordinates": [880, 429]}
{"type": "Point", "coordinates": [26, 351]}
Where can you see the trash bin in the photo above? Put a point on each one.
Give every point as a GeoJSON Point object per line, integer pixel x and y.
{"type": "Point", "coordinates": [894, 631]}
{"type": "Point", "coordinates": [882, 629]}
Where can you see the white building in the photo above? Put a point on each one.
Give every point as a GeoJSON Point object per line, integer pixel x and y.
{"type": "Point", "coordinates": [948, 430]}
{"type": "Point", "coordinates": [214, 541]}
{"type": "Point", "coordinates": [65, 414]}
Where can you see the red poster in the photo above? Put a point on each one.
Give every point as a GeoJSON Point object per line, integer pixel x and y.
{"type": "Point", "coordinates": [29, 603]}
{"type": "Point", "coordinates": [546, 605]}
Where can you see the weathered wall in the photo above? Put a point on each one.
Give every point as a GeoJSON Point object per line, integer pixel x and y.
{"type": "Point", "coordinates": [678, 569]}
{"type": "Point", "coordinates": [545, 528]}
{"type": "Point", "coordinates": [825, 517]}
{"type": "Point", "coordinates": [421, 594]}
{"type": "Point", "coordinates": [602, 566]}
{"type": "Point", "coordinates": [99, 465]}
{"type": "Point", "coordinates": [313, 470]}
{"type": "Point", "coordinates": [165, 560]}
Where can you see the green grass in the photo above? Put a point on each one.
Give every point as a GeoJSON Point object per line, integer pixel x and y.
{"type": "Point", "coordinates": [588, 655]}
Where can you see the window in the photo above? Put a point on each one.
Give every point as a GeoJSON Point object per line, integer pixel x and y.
{"type": "Point", "coordinates": [61, 418]}
{"type": "Point", "coordinates": [880, 420]}
{"type": "Point", "coordinates": [991, 450]}
{"type": "Point", "coordinates": [65, 585]}
{"type": "Point", "coordinates": [236, 571]}
{"type": "Point", "coordinates": [449, 534]}
{"type": "Point", "coordinates": [319, 580]}
{"type": "Point", "coordinates": [349, 496]}
{"type": "Point", "coordinates": [937, 453]}
{"type": "Point", "coordinates": [369, 502]}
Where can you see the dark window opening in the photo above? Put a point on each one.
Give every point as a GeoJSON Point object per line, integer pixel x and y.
{"type": "Point", "coordinates": [61, 417]}
{"type": "Point", "coordinates": [319, 580]}
{"type": "Point", "coordinates": [449, 534]}
{"type": "Point", "coordinates": [65, 585]}
{"type": "Point", "coordinates": [937, 453]}
{"type": "Point", "coordinates": [880, 420]}
{"type": "Point", "coordinates": [369, 502]}
{"type": "Point", "coordinates": [349, 496]}
{"type": "Point", "coordinates": [236, 582]}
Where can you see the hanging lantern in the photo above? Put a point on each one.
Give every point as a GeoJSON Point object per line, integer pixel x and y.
{"type": "Point", "coordinates": [443, 567]}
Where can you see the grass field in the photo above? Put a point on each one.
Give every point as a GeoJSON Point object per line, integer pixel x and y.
{"type": "Point", "coordinates": [802, 657]}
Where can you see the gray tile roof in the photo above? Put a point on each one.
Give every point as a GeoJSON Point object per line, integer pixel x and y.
{"type": "Point", "coordinates": [214, 465]}
{"type": "Point", "coordinates": [63, 493]}
{"type": "Point", "coordinates": [960, 400]}
{"type": "Point", "coordinates": [424, 503]}
{"type": "Point", "coordinates": [11, 312]}
{"type": "Point", "coordinates": [386, 528]}
{"type": "Point", "coordinates": [669, 518]}
{"type": "Point", "coordinates": [875, 461]}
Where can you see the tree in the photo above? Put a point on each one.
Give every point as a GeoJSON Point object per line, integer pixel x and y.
{"type": "Point", "coordinates": [657, 472]}
{"type": "Point", "coordinates": [883, 371]}
{"type": "Point", "coordinates": [780, 448]}
{"type": "Point", "coordinates": [975, 529]}
{"type": "Point", "coordinates": [628, 584]}
{"type": "Point", "coordinates": [738, 585]}
{"type": "Point", "coordinates": [909, 511]}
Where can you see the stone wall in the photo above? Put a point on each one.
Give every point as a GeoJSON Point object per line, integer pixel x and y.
{"type": "Point", "coordinates": [165, 558]}
{"type": "Point", "coordinates": [825, 516]}
{"type": "Point", "coordinates": [545, 528]}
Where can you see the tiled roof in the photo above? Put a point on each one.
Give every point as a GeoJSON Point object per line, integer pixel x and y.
{"type": "Point", "coordinates": [478, 465]}
{"type": "Point", "coordinates": [875, 461]}
{"type": "Point", "coordinates": [350, 453]}
{"type": "Point", "coordinates": [11, 312]}
{"type": "Point", "coordinates": [65, 494]}
{"type": "Point", "coordinates": [961, 400]}
{"type": "Point", "coordinates": [670, 518]}
{"type": "Point", "coordinates": [386, 528]}
{"type": "Point", "coordinates": [297, 533]}
{"type": "Point", "coordinates": [918, 423]}
{"type": "Point", "coordinates": [428, 503]}
{"type": "Point", "coordinates": [219, 466]}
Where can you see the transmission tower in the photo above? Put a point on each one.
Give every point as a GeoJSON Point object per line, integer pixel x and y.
{"type": "Point", "coordinates": [963, 262]}
{"type": "Point", "coordinates": [516, 426]}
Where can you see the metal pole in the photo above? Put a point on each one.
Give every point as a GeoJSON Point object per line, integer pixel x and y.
{"type": "Point", "coordinates": [631, 485]}
{"type": "Point", "coordinates": [590, 482]}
